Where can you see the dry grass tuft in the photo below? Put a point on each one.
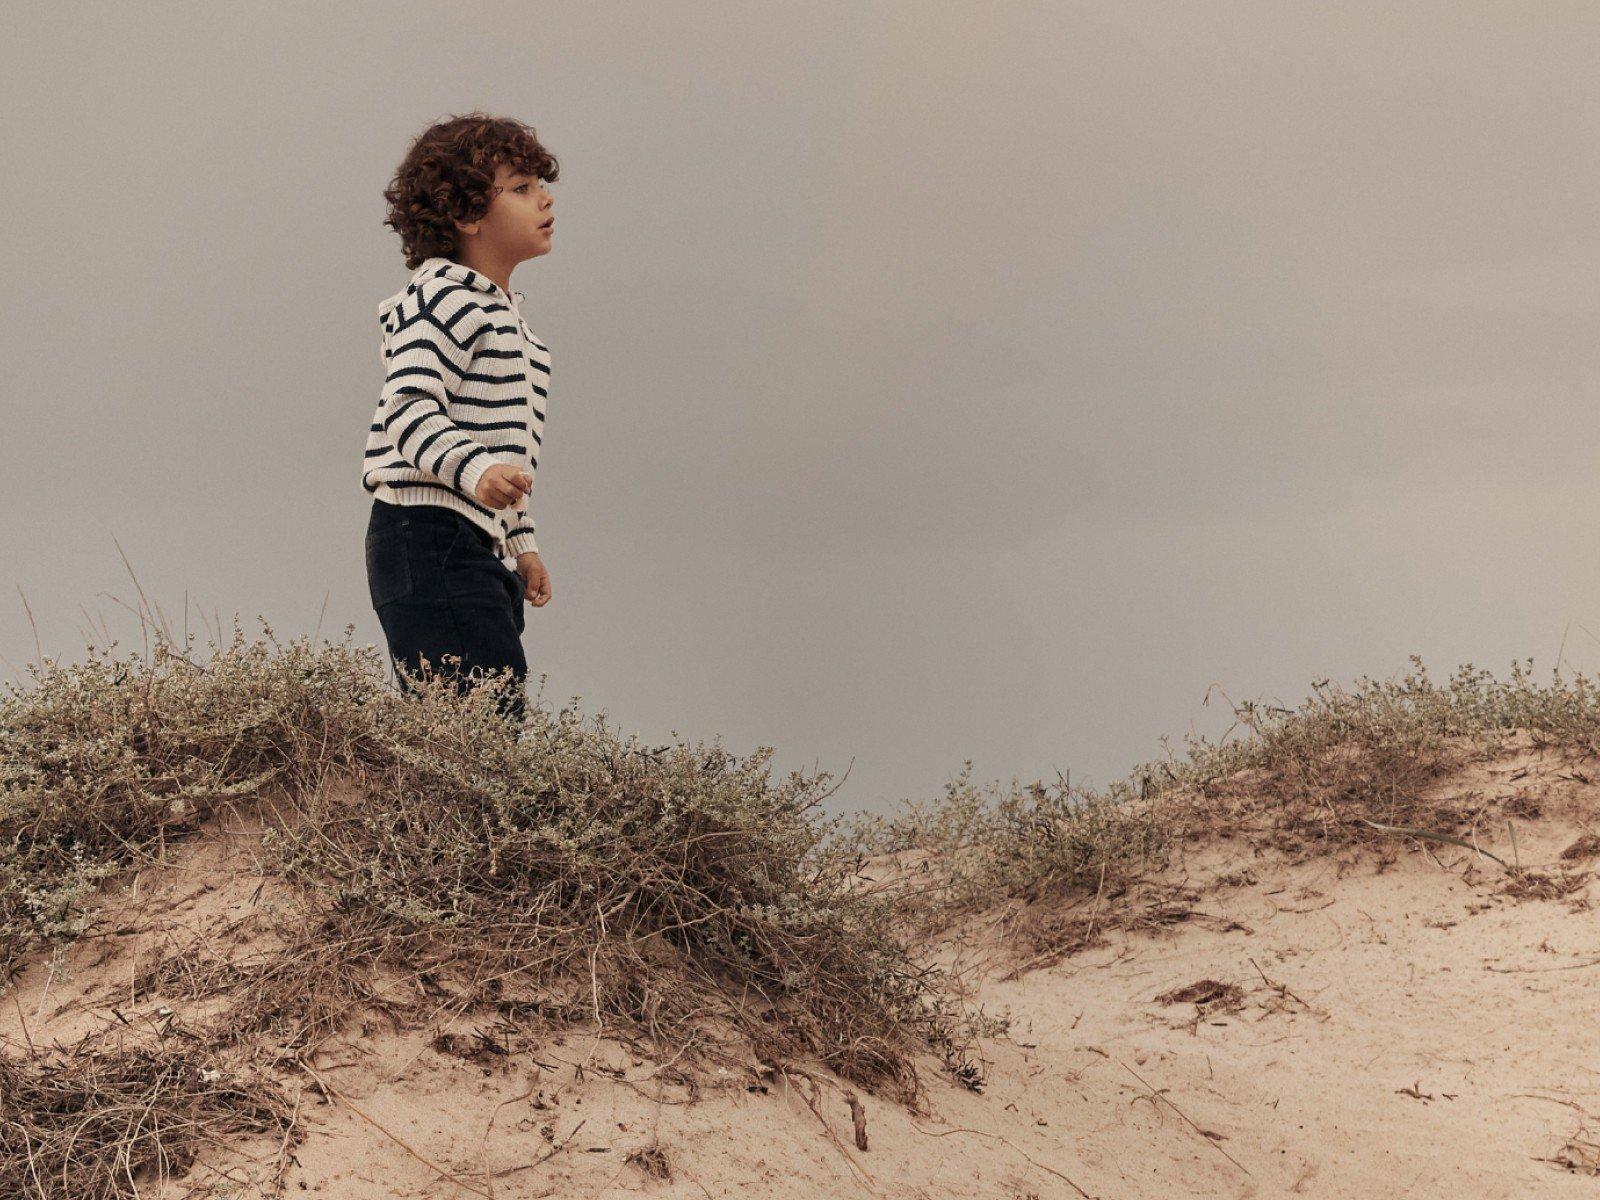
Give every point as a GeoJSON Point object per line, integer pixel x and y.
{"type": "Point", "coordinates": [1542, 885]}
{"type": "Point", "coordinates": [652, 1160]}
{"type": "Point", "coordinates": [96, 1123]}
{"type": "Point", "coordinates": [1206, 995]}
{"type": "Point", "coordinates": [1587, 846]}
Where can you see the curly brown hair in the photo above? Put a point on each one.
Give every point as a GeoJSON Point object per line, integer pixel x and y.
{"type": "Point", "coordinates": [448, 174]}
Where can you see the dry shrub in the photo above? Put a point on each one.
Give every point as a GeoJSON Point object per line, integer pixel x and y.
{"type": "Point", "coordinates": [1324, 773]}
{"type": "Point", "coordinates": [1315, 777]}
{"type": "Point", "coordinates": [1308, 779]}
{"type": "Point", "coordinates": [102, 762]}
{"type": "Point", "coordinates": [1045, 841]}
{"type": "Point", "coordinates": [674, 893]}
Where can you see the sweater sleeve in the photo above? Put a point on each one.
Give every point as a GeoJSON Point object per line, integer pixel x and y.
{"type": "Point", "coordinates": [426, 355]}
{"type": "Point", "coordinates": [520, 539]}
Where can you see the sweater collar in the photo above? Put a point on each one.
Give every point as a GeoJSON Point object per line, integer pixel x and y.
{"type": "Point", "coordinates": [477, 280]}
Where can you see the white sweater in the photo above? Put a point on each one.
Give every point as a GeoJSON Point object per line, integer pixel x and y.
{"type": "Point", "coordinates": [467, 385]}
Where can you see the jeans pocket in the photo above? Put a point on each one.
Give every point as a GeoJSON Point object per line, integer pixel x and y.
{"type": "Point", "coordinates": [389, 575]}
{"type": "Point", "coordinates": [452, 543]}
{"type": "Point", "coordinates": [472, 575]}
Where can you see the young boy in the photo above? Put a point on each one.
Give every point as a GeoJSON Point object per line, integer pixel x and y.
{"type": "Point", "coordinates": [454, 445]}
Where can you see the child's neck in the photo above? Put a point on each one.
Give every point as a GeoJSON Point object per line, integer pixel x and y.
{"type": "Point", "coordinates": [497, 272]}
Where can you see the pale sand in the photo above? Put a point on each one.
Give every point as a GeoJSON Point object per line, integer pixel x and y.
{"type": "Point", "coordinates": [1435, 1038]}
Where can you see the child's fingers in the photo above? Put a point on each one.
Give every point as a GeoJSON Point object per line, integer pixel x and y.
{"type": "Point", "coordinates": [504, 495]}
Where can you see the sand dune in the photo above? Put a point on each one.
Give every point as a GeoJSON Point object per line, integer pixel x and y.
{"type": "Point", "coordinates": [1379, 1024]}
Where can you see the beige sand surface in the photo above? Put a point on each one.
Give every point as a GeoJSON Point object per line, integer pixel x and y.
{"type": "Point", "coordinates": [1402, 1030]}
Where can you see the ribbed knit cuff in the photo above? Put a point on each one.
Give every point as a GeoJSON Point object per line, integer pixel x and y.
{"type": "Point", "coordinates": [522, 543]}
{"type": "Point", "coordinates": [473, 472]}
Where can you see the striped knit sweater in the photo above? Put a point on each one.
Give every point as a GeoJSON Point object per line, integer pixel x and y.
{"type": "Point", "coordinates": [466, 385]}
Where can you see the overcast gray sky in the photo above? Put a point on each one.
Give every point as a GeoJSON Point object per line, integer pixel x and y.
{"type": "Point", "coordinates": [931, 381]}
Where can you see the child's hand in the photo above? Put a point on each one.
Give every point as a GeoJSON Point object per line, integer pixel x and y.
{"type": "Point", "coordinates": [503, 486]}
{"type": "Point", "coordinates": [535, 579]}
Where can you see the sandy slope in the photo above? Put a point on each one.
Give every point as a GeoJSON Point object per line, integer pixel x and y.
{"type": "Point", "coordinates": [1399, 1031]}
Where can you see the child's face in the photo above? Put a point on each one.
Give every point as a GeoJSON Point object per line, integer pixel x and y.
{"type": "Point", "coordinates": [519, 209]}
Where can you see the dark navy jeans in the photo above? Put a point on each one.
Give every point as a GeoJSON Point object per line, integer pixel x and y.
{"type": "Point", "coordinates": [439, 589]}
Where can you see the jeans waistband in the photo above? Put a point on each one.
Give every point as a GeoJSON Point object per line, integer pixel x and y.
{"type": "Point", "coordinates": [433, 514]}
